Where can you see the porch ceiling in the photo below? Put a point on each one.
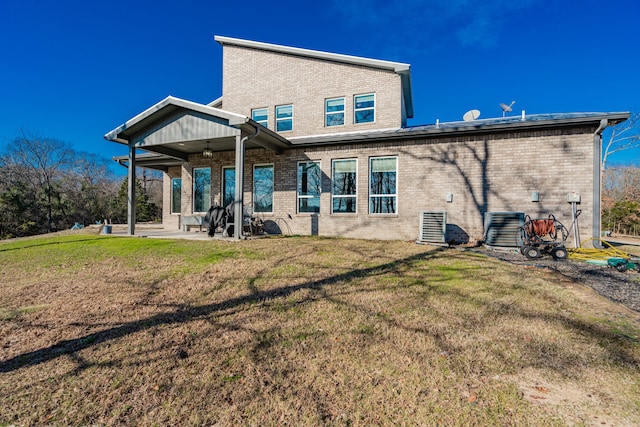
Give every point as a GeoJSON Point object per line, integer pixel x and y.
{"type": "Point", "coordinates": [177, 128]}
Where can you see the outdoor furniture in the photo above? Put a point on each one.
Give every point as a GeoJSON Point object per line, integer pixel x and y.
{"type": "Point", "coordinates": [189, 221]}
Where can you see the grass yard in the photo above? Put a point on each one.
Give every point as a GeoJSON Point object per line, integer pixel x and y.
{"type": "Point", "coordinates": [103, 330]}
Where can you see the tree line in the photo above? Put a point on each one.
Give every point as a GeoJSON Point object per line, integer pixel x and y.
{"type": "Point", "coordinates": [47, 186]}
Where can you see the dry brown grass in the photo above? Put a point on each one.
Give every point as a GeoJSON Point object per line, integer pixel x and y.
{"type": "Point", "coordinates": [303, 331]}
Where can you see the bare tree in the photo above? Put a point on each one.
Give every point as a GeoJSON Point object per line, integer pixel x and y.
{"type": "Point", "coordinates": [624, 136]}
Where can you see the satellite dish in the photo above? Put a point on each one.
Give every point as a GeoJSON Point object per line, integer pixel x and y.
{"type": "Point", "coordinates": [506, 108]}
{"type": "Point", "coordinates": [471, 115]}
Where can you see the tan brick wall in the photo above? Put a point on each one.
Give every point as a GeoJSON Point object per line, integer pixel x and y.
{"type": "Point", "coordinates": [259, 79]}
{"type": "Point", "coordinates": [492, 173]}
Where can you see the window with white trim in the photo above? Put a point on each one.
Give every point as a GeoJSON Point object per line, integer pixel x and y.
{"type": "Point", "coordinates": [228, 185]}
{"type": "Point", "coordinates": [309, 187]}
{"type": "Point", "coordinates": [364, 108]}
{"type": "Point", "coordinates": [284, 118]}
{"type": "Point", "coordinates": [176, 195]}
{"type": "Point", "coordinates": [263, 188]}
{"type": "Point", "coordinates": [334, 112]}
{"type": "Point", "coordinates": [343, 185]}
{"type": "Point", "coordinates": [201, 189]}
{"type": "Point", "coordinates": [260, 115]}
{"type": "Point", "coordinates": [383, 195]}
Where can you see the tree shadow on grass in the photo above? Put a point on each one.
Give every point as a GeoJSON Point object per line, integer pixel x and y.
{"type": "Point", "coordinates": [617, 348]}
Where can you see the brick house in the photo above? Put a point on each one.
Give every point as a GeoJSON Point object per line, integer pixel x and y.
{"type": "Point", "coordinates": [323, 147]}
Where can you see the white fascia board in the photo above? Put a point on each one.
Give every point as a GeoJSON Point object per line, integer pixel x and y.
{"type": "Point", "coordinates": [233, 118]}
{"type": "Point", "coordinates": [398, 67]}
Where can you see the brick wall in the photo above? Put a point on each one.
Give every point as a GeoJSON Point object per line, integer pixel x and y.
{"type": "Point", "coordinates": [259, 79]}
{"type": "Point", "coordinates": [485, 173]}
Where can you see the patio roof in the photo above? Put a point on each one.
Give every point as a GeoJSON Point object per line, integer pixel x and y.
{"type": "Point", "coordinates": [175, 128]}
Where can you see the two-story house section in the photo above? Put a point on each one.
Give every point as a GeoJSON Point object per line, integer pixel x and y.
{"type": "Point", "coordinates": [300, 92]}
{"type": "Point", "coordinates": [318, 143]}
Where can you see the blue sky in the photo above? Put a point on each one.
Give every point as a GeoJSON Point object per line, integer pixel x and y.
{"type": "Point", "coordinates": [74, 70]}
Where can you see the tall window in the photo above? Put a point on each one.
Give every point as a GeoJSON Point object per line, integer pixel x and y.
{"type": "Point", "coordinates": [263, 188]}
{"type": "Point", "coordinates": [176, 195]}
{"type": "Point", "coordinates": [201, 189]}
{"type": "Point", "coordinates": [261, 115]}
{"type": "Point", "coordinates": [309, 187]}
{"type": "Point", "coordinates": [284, 118]}
{"type": "Point", "coordinates": [334, 112]}
{"type": "Point", "coordinates": [343, 188]}
{"type": "Point", "coordinates": [382, 185]}
{"type": "Point", "coordinates": [364, 108]}
{"type": "Point", "coordinates": [228, 185]}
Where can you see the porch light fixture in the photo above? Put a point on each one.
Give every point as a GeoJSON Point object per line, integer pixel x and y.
{"type": "Point", "coordinates": [207, 153]}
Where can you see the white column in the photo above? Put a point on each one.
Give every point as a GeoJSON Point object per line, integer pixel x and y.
{"type": "Point", "coordinates": [131, 213]}
{"type": "Point", "coordinates": [239, 202]}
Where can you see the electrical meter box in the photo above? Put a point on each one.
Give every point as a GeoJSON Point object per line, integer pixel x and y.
{"type": "Point", "coordinates": [573, 198]}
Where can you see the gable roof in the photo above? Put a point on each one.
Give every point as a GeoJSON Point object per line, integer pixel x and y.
{"type": "Point", "coordinates": [401, 68]}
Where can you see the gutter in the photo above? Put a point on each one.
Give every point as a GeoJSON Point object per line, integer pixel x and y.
{"type": "Point", "coordinates": [597, 182]}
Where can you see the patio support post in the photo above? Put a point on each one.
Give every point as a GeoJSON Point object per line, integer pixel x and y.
{"type": "Point", "coordinates": [239, 202]}
{"type": "Point", "coordinates": [131, 206]}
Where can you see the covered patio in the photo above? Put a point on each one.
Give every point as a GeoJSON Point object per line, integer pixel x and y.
{"type": "Point", "coordinates": [175, 130]}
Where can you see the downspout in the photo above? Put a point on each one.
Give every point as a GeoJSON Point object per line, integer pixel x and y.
{"type": "Point", "coordinates": [597, 182]}
{"type": "Point", "coordinates": [239, 205]}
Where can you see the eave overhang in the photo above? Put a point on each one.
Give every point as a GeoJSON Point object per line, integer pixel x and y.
{"type": "Point", "coordinates": [178, 128]}
{"type": "Point", "coordinates": [486, 126]}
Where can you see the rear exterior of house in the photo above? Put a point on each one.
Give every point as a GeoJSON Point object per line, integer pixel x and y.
{"type": "Point", "coordinates": [323, 146]}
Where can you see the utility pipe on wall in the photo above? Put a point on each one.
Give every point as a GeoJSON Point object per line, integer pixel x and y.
{"type": "Point", "coordinates": [597, 181]}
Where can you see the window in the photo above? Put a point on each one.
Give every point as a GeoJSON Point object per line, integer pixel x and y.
{"type": "Point", "coordinates": [334, 112]}
{"type": "Point", "coordinates": [263, 188]}
{"type": "Point", "coordinates": [261, 115]}
{"type": "Point", "coordinates": [284, 118]}
{"type": "Point", "coordinates": [201, 189]}
{"type": "Point", "coordinates": [343, 187]}
{"type": "Point", "coordinates": [309, 187]}
{"type": "Point", "coordinates": [228, 185]}
{"type": "Point", "coordinates": [382, 185]}
{"type": "Point", "coordinates": [176, 195]}
{"type": "Point", "coordinates": [364, 108]}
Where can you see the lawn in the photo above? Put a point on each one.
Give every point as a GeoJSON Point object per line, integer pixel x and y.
{"type": "Point", "coordinates": [103, 330]}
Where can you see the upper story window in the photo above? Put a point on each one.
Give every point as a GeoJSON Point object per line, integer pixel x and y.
{"type": "Point", "coordinates": [260, 115]}
{"type": "Point", "coordinates": [364, 108]}
{"type": "Point", "coordinates": [309, 187]}
{"type": "Point", "coordinates": [334, 112]}
{"type": "Point", "coordinates": [284, 118]}
{"type": "Point", "coordinates": [382, 185]}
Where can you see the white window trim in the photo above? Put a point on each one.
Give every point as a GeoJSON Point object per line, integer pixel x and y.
{"type": "Point", "coordinates": [193, 191]}
{"type": "Point", "coordinates": [298, 196]}
{"type": "Point", "coordinates": [383, 195]}
{"type": "Point", "coordinates": [266, 109]}
{"type": "Point", "coordinates": [344, 108]}
{"type": "Point", "coordinates": [273, 190]}
{"type": "Point", "coordinates": [222, 183]}
{"type": "Point", "coordinates": [171, 198]}
{"type": "Point", "coordinates": [283, 119]}
{"type": "Point", "coordinates": [375, 102]}
{"type": "Point", "coordinates": [344, 196]}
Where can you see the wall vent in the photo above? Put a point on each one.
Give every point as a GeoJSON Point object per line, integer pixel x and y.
{"type": "Point", "coordinates": [501, 228]}
{"type": "Point", "coordinates": [433, 227]}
